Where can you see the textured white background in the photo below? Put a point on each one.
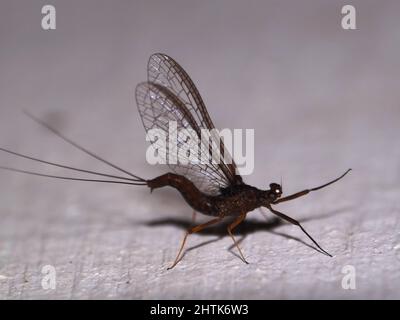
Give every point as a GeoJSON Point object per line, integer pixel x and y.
{"type": "Point", "coordinates": [320, 99]}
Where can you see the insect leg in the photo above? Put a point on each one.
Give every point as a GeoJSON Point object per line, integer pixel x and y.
{"type": "Point", "coordinates": [306, 191]}
{"type": "Point", "coordinates": [231, 227]}
{"type": "Point", "coordinates": [194, 216]}
{"type": "Point", "coordinates": [190, 231]}
{"type": "Point", "coordinates": [295, 222]}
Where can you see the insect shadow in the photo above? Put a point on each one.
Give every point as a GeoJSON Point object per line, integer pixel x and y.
{"type": "Point", "coordinates": [243, 230]}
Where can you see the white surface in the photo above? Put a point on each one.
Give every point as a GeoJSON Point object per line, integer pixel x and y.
{"type": "Point", "coordinates": [320, 99]}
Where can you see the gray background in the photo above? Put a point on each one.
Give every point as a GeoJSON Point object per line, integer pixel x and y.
{"type": "Point", "coordinates": [321, 99]}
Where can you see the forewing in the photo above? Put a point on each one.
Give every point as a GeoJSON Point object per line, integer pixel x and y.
{"type": "Point", "coordinates": [165, 71]}
{"type": "Point", "coordinates": [158, 106]}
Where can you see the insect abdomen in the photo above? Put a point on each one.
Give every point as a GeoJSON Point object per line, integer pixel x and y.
{"type": "Point", "coordinates": [193, 196]}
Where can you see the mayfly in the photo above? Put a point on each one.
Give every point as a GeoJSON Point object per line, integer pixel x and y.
{"type": "Point", "coordinates": [214, 189]}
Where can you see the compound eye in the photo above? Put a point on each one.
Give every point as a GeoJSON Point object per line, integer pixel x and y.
{"type": "Point", "coordinates": [276, 188]}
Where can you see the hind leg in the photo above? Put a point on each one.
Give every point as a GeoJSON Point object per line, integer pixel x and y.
{"type": "Point", "coordinates": [190, 231]}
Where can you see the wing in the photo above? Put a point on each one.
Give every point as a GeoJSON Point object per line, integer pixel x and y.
{"type": "Point", "coordinates": [165, 71]}
{"type": "Point", "coordinates": [158, 106]}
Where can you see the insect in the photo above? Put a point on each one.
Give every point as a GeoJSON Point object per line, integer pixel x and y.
{"type": "Point", "coordinates": [214, 189]}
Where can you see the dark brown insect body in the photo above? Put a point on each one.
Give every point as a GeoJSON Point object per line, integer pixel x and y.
{"type": "Point", "coordinates": [232, 201]}
{"type": "Point", "coordinates": [214, 189]}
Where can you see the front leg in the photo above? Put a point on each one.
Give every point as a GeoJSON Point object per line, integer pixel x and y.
{"type": "Point", "coordinates": [307, 191]}
{"type": "Point", "coordinates": [296, 223]}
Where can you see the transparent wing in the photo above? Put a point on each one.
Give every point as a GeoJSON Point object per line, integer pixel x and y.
{"type": "Point", "coordinates": [165, 71]}
{"type": "Point", "coordinates": [158, 106]}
